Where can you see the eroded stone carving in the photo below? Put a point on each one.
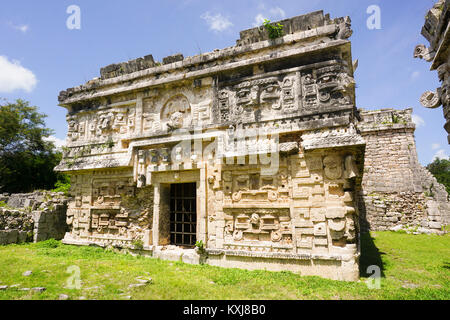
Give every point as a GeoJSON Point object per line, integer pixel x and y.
{"type": "Point", "coordinates": [176, 112]}
{"type": "Point", "coordinates": [220, 121]}
{"type": "Point", "coordinates": [422, 52]}
{"type": "Point", "coordinates": [430, 100]}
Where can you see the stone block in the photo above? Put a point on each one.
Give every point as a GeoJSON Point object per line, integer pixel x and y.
{"type": "Point", "coordinates": [434, 225]}
{"type": "Point", "coordinates": [173, 58]}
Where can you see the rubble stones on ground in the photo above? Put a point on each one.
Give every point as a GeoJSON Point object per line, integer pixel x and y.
{"type": "Point", "coordinates": [136, 285]}
{"type": "Point", "coordinates": [144, 280]}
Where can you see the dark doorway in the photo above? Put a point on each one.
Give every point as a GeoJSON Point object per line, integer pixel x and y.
{"type": "Point", "coordinates": [183, 214]}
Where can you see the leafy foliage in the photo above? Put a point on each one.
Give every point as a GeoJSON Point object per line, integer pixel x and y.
{"type": "Point", "coordinates": [200, 246]}
{"type": "Point", "coordinates": [440, 169]}
{"type": "Point", "coordinates": [63, 184]}
{"type": "Point", "coordinates": [274, 30]}
{"type": "Point", "coordinates": [27, 159]}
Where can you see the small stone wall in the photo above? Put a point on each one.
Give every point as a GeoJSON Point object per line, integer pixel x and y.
{"type": "Point", "coordinates": [34, 217]}
{"type": "Point", "coordinates": [15, 226]}
{"type": "Point", "coordinates": [405, 210]}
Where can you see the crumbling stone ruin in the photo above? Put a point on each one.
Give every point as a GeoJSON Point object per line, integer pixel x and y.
{"type": "Point", "coordinates": [37, 216]}
{"type": "Point", "coordinates": [437, 31]}
{"type": "Point", "coordinates": [251, 149]}
{"type": "Point", "coordinates": [398, 193]}
{"type": "Point", "coordinates": [255, 153]}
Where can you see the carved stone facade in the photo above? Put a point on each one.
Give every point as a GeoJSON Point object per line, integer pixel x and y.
{"type": "Point", "coordinates": [263, 131]}
{"type": "Point", "coordinates": [437, 31]}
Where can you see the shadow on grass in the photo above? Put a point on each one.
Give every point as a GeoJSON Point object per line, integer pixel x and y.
{"type": "Point", "coordinates": [370, 256]}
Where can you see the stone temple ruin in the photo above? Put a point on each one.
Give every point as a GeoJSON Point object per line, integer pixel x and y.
{"type": "Point", "coordinates": [397, 192]}
{"type": "Point", "coordinates": [257, 150]}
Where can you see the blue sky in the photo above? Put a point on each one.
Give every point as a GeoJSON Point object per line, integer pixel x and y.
{"type": "Point", "coordinates": [42, 56]}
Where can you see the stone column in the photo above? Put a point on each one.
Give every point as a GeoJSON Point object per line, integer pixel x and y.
{"type": "Point", "coordinates": [156, 210]}
{"type": "Point", "coordinates": [139, 111]}
{"type": "Point", "coordinates": [202, 215]}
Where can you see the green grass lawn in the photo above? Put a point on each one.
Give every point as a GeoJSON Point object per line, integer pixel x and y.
{"type": "Point", "coordinates": [413, 266]}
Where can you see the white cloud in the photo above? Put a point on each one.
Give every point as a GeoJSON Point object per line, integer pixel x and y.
{"type": "Point", "coordinates": [277, 12]}
{"type": "Point", "coordinates": [418, 121]}
{"type": "Point", "coordinates": [415, 75]}
{"type": "Point", "coordinates": [272, 13]}
{"type": "Point", "coordinates": [22, 28]}
{"type": "Point", "coordinates": [441, 154]}
{"type": "Point", "coordinates": [15, 77]}
{"type": "Point", "coordinates": [216, 22]}
{"type": "Point", "coordinates": [58, 142]}
{"type": "Point", "coordinates": [435, 146]}
{"type": "Point", "coordinates": [259, 20]}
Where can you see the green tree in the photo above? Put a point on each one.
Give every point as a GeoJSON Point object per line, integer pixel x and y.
{"type": "Point", "coordinates": [440, 169]}
{"type": "Point", "coordinates": [27, 159]}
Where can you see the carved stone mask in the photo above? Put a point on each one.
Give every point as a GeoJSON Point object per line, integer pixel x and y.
{"type": "Point", "coordinates": [333, 167]}
{"type": "Point", "coordinates": [248, 96]}
{"type": "Point", "coordinates": [176, 120]}
{"type": "Point", "coordinates": [105, 121]}
{"type": "Point", "coordinates": [270, 93]}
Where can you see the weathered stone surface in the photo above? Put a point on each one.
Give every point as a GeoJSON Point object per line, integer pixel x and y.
{"type": "Point", "coordinates": [41, 214]}
{"type": "Point", "coordinates": [173, 58]}
{"type": "Point", "coordinates": [396, 189]}
{"type": "Point", "coordinates": [262, 132]}
{"type": "Point", "coordinates": [437, 31]}
{"type": "Point", "coordinates": [115, 70]}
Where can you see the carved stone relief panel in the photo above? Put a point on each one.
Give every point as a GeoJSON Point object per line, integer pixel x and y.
{"type": "Point", "coordinates": [266, 227]}
{"type": "Point", "coordinates": [201, 112]}
{"type": "Point", "coordinates": [151, 121]}
{"type": "Point", "coordinates": [324, 214]}
{"type": "Point", "coordinates": [258, 99]}
{"type": "Point", "coordinates": [109, 222]}
{"type": "Point", "coordinates": [108, 192]}
{"type": "Point", "coordinates": [325, 87]}
{"type": "Point", "coordinates": [302, 92]}
{"type": "Point", "coordinates": [86, 127]}
{"type": "Point", "coordinates": [176, 113]}
{"type": "Point", "coordinates": [97, 211]}
{"type": "Point", "coordinates": [247, 185]}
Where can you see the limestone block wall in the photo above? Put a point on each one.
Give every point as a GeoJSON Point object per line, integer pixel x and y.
{"type": "Point", "coordinates": [15, 226]}
{"type": "Point", "coordinates": [34, 217]}
{"type": "Point", "coordinates": [397, 191]}
{"type": "Point", "coordinates": [50, 223]}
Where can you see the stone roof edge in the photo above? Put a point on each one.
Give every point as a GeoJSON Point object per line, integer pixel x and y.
{"type": "Point", "coordinates": [207, 57]}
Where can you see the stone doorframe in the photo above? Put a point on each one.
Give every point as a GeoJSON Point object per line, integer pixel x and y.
{"type": "Point", "coordinates": [161, 182]}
